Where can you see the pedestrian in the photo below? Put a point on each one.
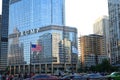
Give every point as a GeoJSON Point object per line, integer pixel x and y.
{"type": "Point", "coordinates": [0, 76]}
{"type": "Point", "coordinates": [25, 76]}
{"type": "Point", "coordinates": [3, 77]}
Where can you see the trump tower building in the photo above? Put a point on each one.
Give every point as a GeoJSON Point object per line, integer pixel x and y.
{"type": "Point", "coordinates": [38, 40]}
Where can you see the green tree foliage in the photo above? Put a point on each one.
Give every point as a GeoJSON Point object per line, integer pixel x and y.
{"type": "Point", "coordinates": [105, 66]}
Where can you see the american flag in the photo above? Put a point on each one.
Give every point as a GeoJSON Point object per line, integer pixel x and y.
{"type": "Point", "coordinates": [36, 47]}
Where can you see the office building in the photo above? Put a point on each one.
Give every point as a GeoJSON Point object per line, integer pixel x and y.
{"type": "Point", "coordinates": [0, 27]}
{"type": "Point", "coordinates": [4, 35]}
{"type": "Point", "coordinates": [55, 51]}
{"type": "Point", "coordinates": [101, 27]}
{"type": "Point", "coordinates": [0, 21]}
{"type": "Point", "coordinates": [35, 13]}
{"type": "Point", "coordinates": [114, 30]}
{"type": "Point", "coordinates": [92, 50]}
{"type": "Point", "coordinates": [0, 32]}
{"type": "Point", "coordinates": [40, 23]}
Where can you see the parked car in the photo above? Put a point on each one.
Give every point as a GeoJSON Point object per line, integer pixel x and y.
{"type": "Point", "coordinates": [114, 76]}
{"type": "Point", "coordinates": [72, 77]}
{"type": "Point", "coordinates": [43, 77]}
{"type": "Point", "coordinates": [94, 76]}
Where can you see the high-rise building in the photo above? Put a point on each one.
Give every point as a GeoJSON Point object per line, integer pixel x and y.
{"type": "Point", "coordinates": [92, 50]}
{"type": "Point", "coordinates": [101, 27]}
{"type": "Point", "coordinates": [0, 22]}
{"type": "Point", "coordinates": [4, 34]}
{"type": "Point", "coordinates": [0, 27]}
{"type": "Point", "coordinates": [114, 30]}
{"type": "Point", "coordinates": [35, 13]}
{"type": "Point", "coordinates": [0, 36]}
{"type": "Point", "coordinates": [40, 23]}
{"type": "Point", "coordinates": [55, 50]}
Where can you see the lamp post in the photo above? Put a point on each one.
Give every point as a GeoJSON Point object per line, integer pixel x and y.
{"type": "Point", "coordinates": [71, 58]}
{"type": "Point", "coordinates": [64, 51]}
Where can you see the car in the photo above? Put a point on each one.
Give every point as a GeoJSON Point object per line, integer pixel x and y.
{"type": "Point", "coordinates": [72, 77]}
{"type": "Point", "coordinates": [94, 76]}
{"type": "Point", "coordinates": [114, 76]}
{"type": "Point", "coordinates": [43, 77]}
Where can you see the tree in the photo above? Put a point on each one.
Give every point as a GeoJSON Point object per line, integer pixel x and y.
{"type": "Point", "coordinates": [105, 65]}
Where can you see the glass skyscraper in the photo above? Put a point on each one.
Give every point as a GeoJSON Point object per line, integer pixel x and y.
{"type": "Point", "coordinates": [29, 14]}
{"type": "Point", "coordinates": [114, 30]}
{"type": "Point", "coordinates": [39, 22]}
{"type": "Point", "coordinates": [4, 34]}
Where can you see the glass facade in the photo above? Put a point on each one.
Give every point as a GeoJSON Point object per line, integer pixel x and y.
{"type": "Point", "coordinates": [26, 15]}
{"type": "Point", "coordinates": [51, 40]}
{"type": "Point", "coordinates": [36, 23]}
{"type": "Point", "coordinates": [32, 14]}
{"type": "Point", "coordinates": [114, 30]}
{"type": "Point", "coordinates": [29, 14]}
{"type": "Point", "coordinates": [40, 23]}
{"type": "Point", "coordinates": [4, 34]}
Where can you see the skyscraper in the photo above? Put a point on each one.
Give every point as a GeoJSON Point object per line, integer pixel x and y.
{"type": "Point", "coordinates": [35, 13]}
{"type": "Point", "coordinates": [0, 22]}
{"type": "Point", "coordinates": [4, 34]}
{"type": "Point", "coordinates": [92, 50]}
{"type": "Point", "coordinates": [114, 30]}
{"type": "Point", "coordinates": [0, 28]}
{"type": "Point", "coordinates": [101, 27]}
{"type": "Point", "coordinates": [38, 23]}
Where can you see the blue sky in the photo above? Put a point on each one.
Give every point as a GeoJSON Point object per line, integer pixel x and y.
{"type": "Point", "coordinates": [82, 14]}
